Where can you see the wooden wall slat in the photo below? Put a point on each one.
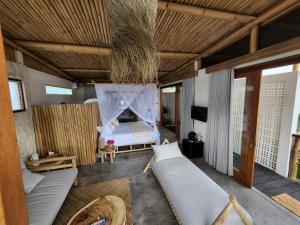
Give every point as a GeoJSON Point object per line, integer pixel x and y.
{"type": "Point", "coordinates": [67, 129]}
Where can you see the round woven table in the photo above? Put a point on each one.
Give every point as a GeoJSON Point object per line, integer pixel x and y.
{"type": "Point", "coordinates": [110, 207]}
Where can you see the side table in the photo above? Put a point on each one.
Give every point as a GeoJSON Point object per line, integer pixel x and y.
{"type": "Point", "coordinates": [108, 150]}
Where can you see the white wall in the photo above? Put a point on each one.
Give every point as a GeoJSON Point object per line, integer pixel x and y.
{"type": "Point", "coordinates": [23, 120]}
{"type": "Point", "coordinates": [201, 99]}
{"type": "Point", "coordinates": [33, 82]}
{"type": "Point", "coordinates": [289, 120]}
{"type": "Point", "coordinates": [37, 82]}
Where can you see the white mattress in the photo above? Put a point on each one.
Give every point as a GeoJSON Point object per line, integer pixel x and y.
{"type": "Point", "coordinates": [196, 198]}
{"type": "Point", "coordinates": [123, 135]}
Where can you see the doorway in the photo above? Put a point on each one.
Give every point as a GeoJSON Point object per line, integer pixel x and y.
{"type": "Point", "coordinates": [170, 108]}
{"type": "Point", "coordinates": [261, 157]}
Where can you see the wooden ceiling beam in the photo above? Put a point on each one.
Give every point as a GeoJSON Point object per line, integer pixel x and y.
{"type": "Point", "coordinates": [26, 52]}
{"type": "Point", "coordinates": [254, 35]}
{"type": "Point", "coordinates": [94, 80]}
{"type": "Point", "coordinates": [75, 70]}
{"type": "Point", "coordinates": [83, 49]}
{"type": "Point", "coordinates": [85, 70]}
{"type": "Point", "coordinates": [284, 6]}
{"type": "Point", "coordinates": [201, 11]}
{"type": "Point", "coordinates": [276, 49]}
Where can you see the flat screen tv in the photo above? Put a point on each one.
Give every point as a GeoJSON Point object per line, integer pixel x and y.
{"type": "Point", "coordinates": [199, 113]}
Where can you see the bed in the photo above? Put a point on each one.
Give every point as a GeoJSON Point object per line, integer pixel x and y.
{"type": "Point", "coordinates": [194, 197]}
{"type": "Point", "coordinates": [132, 133]}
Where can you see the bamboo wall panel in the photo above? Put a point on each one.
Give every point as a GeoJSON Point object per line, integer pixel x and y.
{"type": "Point", "coordinates": [69, 129]}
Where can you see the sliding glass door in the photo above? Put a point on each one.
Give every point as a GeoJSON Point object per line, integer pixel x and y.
{"type": "Point", "coordinates": [244, 116]}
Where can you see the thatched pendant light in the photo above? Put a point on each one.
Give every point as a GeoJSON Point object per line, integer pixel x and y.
{"type": "Point", "coordinates": [134, 54]}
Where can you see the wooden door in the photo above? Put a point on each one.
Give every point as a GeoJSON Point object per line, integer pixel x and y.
{"type": "Point", "coordinates": [244, 149]}
{"type": "Point", "coordinates": [12, 199]}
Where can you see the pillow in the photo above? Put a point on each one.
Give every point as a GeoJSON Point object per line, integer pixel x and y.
{"type": "Point", "coordinates": [107, 130]}
{"type": "Point", "coordinates": [115, 123]}
{"type": "Point", "coordinates": [30, 180]}
{"type": "Point", "coordinates": [167, 151]}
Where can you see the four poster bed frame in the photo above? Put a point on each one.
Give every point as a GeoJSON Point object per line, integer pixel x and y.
{"type": "Point", "coordinates": [222, 216]}
{"type": "Point", "coordinates": [130, 136]}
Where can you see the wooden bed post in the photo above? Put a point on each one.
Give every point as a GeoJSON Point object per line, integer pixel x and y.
{"type": "Point", "coordinates": [12, 199]}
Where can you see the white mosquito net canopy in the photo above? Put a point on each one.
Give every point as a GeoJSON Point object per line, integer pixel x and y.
{"type": "Point", "coordinates": [114, 99]}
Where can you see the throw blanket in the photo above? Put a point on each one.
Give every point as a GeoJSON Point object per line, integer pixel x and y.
{"type": "Point", "coordinates": [139, 129]}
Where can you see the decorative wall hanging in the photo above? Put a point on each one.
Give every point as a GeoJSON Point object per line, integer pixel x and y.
{"type": "Point", "coordinates": [134, 56]}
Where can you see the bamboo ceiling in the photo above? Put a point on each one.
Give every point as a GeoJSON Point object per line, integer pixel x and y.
{"type": "Point", "coordinates": [84, 22]}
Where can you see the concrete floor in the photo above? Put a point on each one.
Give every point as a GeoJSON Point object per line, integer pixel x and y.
{"type": "Point", "coordinates": [149, 205]}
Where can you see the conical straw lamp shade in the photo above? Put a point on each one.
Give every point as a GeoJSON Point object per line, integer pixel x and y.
{"type": "Point", "coordinates": [134, 56]}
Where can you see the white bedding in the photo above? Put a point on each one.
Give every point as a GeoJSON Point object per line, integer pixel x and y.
{"type": "Point", "coordinates": [132, 133]}
{"type": "Point", "coordinates": [196, 198]}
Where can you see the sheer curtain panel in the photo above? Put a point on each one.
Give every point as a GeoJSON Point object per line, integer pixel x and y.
{"type": "Point", "coordinates": [218, 146]}
{"type": "Point", "coordinates": [188, 94]}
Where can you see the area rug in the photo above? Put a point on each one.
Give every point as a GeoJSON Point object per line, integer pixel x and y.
{"type": "Point", "coordinates": [81, 196]}
{"type": "Point", "coordinates": [288, 202]}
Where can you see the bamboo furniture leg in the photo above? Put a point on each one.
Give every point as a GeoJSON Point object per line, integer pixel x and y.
{"type": "Point", "coordinates": [225, 212]}
{"type": "Point", "coordinates": [148, 166]}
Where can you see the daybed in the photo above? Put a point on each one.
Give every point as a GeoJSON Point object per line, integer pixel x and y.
{"type": "Point", "coordinates": [194, 197]}
{"type": "Point", "coordinates": [46, 198]}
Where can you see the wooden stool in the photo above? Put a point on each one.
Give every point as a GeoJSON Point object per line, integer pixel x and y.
{"type": "Point", "coordinates": [108, 150]}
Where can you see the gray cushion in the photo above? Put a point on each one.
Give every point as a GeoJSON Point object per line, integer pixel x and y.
{"type": "Point", "coordinates": [44, 202]}
{"type": "Point", "coordinates": [197, 199]}
{"type": "Point", "coordinates": [31, 180]}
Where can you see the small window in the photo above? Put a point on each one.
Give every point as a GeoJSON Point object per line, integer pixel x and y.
{"type": "Point", "coordinates": [16, 95]}
{"type": "Point", "coordinates": [169, 90]}
{"type": "Point", "coordinates": [52, 90]}
{"type": "Point", "coordinates": [278, 70]}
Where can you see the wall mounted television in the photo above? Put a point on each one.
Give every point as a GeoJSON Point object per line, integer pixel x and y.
{"type": "Point", "coordinates": [199, 113]}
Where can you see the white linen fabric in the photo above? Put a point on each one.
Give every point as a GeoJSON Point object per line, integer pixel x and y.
{"type": "Point", "coordinates": [114, 99]}
{"type": "Point", "coordinates": [166, 151]}
{"type": "Point", "coordinates": [188, 94]}
{"type": "Point", "coordinates": [218, 150]}
{"type": "Point", "coordinates": [196, 198]}
{"type": "Point", "coordinates": [124, 134]}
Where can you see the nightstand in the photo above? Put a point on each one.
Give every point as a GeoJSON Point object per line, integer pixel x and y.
{"type": "Point", "coordinates": [192, 149]}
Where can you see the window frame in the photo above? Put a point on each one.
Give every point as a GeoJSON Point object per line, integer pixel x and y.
{"type": "Point", "coordinates": [49, 85]}
{"type": "Point", "coordinates": [21, 91]}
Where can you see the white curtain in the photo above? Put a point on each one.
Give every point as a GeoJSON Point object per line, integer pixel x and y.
{"type": "Point", "coordinates": [218, 145]}
{"type": "Point", "coordinates": [187, 100]}
{"type": "Point", "coordinates": [114, 99]}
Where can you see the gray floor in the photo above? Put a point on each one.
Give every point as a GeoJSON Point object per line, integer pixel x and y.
{"type": "Point", "coordinates": [149, 205]}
